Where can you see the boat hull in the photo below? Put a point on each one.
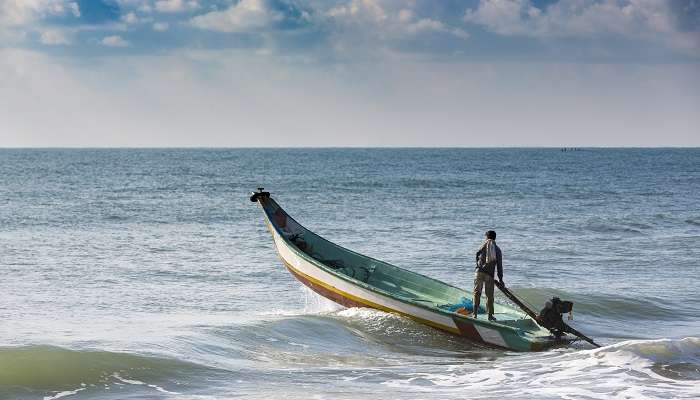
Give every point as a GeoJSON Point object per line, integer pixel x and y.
{"type": "Point", "coordinates": [352, 294]}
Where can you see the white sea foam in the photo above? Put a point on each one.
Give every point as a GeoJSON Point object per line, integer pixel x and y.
{"type": "Point", "coordinates": [136, 382]}
{"type": "Point", "coordinates": [365, 313]}
{"type": "Point", "coordinates": [622, 370]}
{"type": "Point", "coordinates": [375, 319]}
{"type": "Point", "coordinates": [313, 304]}
{"type": "Point", "coordinates": [64, 394]}
{"type": "Point", "coordinates": [316, 304]}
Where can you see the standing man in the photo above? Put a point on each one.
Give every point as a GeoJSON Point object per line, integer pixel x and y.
{"type": "Point", "coordinates": [488, 258]}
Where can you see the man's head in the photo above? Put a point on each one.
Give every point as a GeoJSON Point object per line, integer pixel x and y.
{"type": "Point", "coordinates": [491, 235]}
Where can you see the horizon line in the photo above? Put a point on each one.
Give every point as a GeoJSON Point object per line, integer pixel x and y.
{"type": "Point", "coordinates": [514, 147]}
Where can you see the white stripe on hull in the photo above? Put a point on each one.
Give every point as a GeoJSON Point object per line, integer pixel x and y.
{"type": "Point", "coordinates": [319, 274]}
{"type": "Point", "coordinates": [490, 335]}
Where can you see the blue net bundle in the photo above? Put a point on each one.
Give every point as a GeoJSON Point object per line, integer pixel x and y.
{"type": "Point", "coordinates": [463, 303]}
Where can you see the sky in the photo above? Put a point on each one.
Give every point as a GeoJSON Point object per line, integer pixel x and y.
{"type": "Point", "coordinates": [312, 73]}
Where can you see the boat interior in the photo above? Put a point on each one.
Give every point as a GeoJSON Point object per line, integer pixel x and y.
{"type": "Point", "coordinates": [398, 282]}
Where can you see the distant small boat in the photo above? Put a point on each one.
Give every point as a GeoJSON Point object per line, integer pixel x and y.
{"type": "Point", "coordinates": [355, 280]}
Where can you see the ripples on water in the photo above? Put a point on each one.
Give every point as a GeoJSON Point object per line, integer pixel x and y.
{"type": "Point", "coordinates": [149, 274]}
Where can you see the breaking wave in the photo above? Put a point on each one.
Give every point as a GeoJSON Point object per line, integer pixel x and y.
{"type": "Point", "coordinates": [614, 306]}
{"type": "Point", "coordinates": [58, 372]}
{"type": "Point", "coordinates": [632, 369]}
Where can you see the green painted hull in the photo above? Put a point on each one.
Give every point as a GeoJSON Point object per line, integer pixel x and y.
{"type": "Point", "coordinates": [353, 279]}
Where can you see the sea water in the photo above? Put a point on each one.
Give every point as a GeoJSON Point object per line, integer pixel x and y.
{"type": "Point", "coordinates": [148, 274]}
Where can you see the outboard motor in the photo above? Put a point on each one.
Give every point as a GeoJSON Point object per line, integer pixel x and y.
{"type": "Point", "coordinates": [551, 315]}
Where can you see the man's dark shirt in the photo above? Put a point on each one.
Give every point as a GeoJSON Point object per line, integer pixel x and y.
{"type": "Point", "coordinates": [489, 268]}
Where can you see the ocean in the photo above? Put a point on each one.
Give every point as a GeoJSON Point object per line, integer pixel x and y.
{"type": "Point", "coordinates": [148, 274]}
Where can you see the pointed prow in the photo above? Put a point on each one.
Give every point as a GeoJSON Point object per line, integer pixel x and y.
{"type": "Point", "coordinates": [254, 196]}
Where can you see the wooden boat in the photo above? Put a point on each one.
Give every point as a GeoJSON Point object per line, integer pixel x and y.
{"type": "Point", "coordinates": [355, 280]}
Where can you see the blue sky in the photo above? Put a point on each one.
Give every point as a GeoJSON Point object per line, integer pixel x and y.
{"type": "Point", "coordinates": [138, 73]}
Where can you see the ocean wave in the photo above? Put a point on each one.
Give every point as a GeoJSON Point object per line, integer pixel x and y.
{"type": "Point", "coordinates": [622, 225]}
{"type": "Point", "coordinates": [357, 337]}
{"type": "Point", "coordinates": [309, 341]}
{"type": "Point", "coordinates": [694, 222]}
{"type": "Point", "coordinates": [630, 369]}
{"type": "Point", "coordinates": [615, 307]}
{"type": "Point", "coordinates": [323, 325]}
{"type": "Point", "coordinates": [660, 351]}
{"type": "Point", "coordinates": [616, 226]}
{"type": "Point", "coordinates": [58, 372]}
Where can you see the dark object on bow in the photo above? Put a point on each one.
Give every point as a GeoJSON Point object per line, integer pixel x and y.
{"type": "Point", "coordinates": [255, 195]}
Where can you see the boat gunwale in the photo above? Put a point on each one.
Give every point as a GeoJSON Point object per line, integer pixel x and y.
{"type": "Point", "coordinates": [517, 331]}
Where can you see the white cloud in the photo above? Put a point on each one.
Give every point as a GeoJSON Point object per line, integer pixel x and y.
{"type": "Point", "coordinates": [460, 33]}
{"type": "Point", "coordinates": [243, 16]}
{"type": "Point", "coordinates": [142, 6]}
{"type": "Point", "coordinates": [20, 12]}
{"type": "Point", "coordinates": [130, 18]}
{"type": "Point", "coordinates": [114, 41]}
{"type": "Point", "coordinates": [507, 17]}
{"type": "Point", "coordinates": [20, 18]}
{"type": "Point", "coordinates": [368, 10]}
{"type": "Point", "coordinates": [161, 26]}
{"type": "Point", "coordinates": [139, 5]}
{"type": "Point", "coordinates": [389, 19]}
{"type": "Point", "coordinates": [405, 15]}
{"type": "Point", "coordinates": [53, 37]}
{"type": "Point", "coordinates": [649, 20]}
{"type": "Point", "coordinates": [425, 25]}
{"type": "Point", "coordinates": [174, 6]}
{"type": "Point", "coordinates": [74, 9]}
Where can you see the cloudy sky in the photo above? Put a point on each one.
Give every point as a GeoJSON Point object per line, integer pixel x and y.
{"type": "Point", "coordinates": [210, 73]}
